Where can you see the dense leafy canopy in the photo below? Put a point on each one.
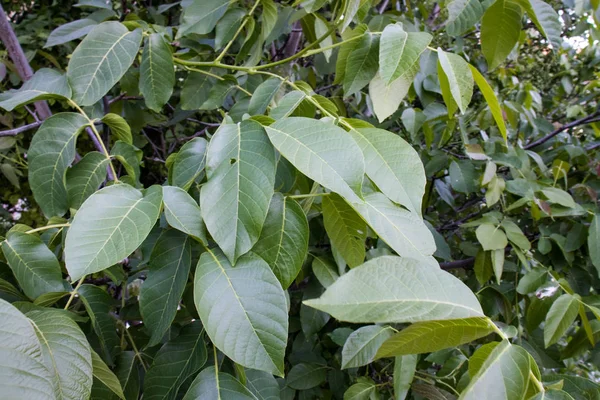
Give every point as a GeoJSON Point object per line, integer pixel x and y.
{"type": "Point", "coordinates": [300, 199]}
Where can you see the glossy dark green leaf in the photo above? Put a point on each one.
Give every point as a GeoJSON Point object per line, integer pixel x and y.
{"type": "Point", "coordinates": [232, 303]}
{"type": "Point", "coordinates": [34, 266]}
{"type": "Point", "coordinates": [157, 72]}
{"type": "Point", "coordinates": [167, 275]}
{"type": "Point", "coordinates": [44, 84]}
{"type": "Point", "coordinates": [211, 384]}
{"type": "Point", "coordinates": [100, 61]}
{"type": "Point", "coordinates": [85, 177]}
{"type": "Point", "coordinates": [51, 152]}
{"type": "Point", "coordinates": [283, 241]}
{"type": "Point", "coordinates": [176, 361]}
{"type": "Point", "coordinates": [110, 225]}
{"type": "Point", "coordinates": [362, 345]}
{"type": "Point", "coordinates": [183, 213]}
{"type": "Point", "coordinates": [189, 163]}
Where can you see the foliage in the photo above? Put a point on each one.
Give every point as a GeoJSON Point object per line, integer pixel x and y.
{"type": "Point", "coordinates": [311, 199]}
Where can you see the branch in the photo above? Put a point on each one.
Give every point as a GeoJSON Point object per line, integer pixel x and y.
{"type": "Point", "coordinates": [20, 129]}
{"type": "Point", "coordinates": [585, 120]}
{"type": "Point", "coordinates": [467, 263]}
{"type": "Point", "coordinates": [15, 51]}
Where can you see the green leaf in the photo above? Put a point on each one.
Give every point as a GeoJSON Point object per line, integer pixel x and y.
{"type": "Point", "coordinates": [324, 271]}
{"type": "Point", "coordinates": [491, 237]}
{"type": "Point", "coordinates": [323, 152]}
{"type": "Point", "coordinates": [387, 99]}
{"type": "Point", "coordinates": [393, 165]}
{"type": "Point", "coordinates": [119, 127]}
{"type": "Point", "coordinates": [593, 242]}
{"type": "Point", "coordinates": [500, 30]}
{"type": "Point", "coordinates": [399, 51]}
{"type": "Point", "coordinates": [228, 25]}
{"type": "Point", "coordinates": [463, 177]}
{"type": "Point", "coordinates": [189, 163]}
{"type": "Point", "coordinates": [345, 50]}
{"type": "Point", "coordinates": [350, 10]}
{"type": "Point", "coordinates": [98, 305]}
{"type": "Point", "coordinates": [546, 19]}
{"type": "Point", "coordinates": [506, 369]}
{"type": "Point", "coordinates": [365, 389]}
{"type": "Point", "coordinates": [51, 152]}
{"type": "Point", "coordinates": [262, 96]}
{"type": "Point", "coordinates": [23, 373]}
{"type": "Point", "coordinates": [101, 372]}
{"type": "Point", "coordinates": [490, 98]}
{"type": "Point", "coordinates": [362, 64]}
{"type": "Point", "coordinates": [262, 385]}
{"type": "Point", "coordinates": [560, 317]}
{"type": "Point", "coordinates": [109, 226]}
{"type": "Point", "coordinates": [404, 372]}
{"type": "Point", "coordinates": [552, 395]}
{"type": "Point", "coordinates": [559, 196]}
{"type": "Point", "coordinates": [195, 91]}
{"type": "Point", "coordinates": [269, 17]}
{"type": "Point", "coordinates": [346, 230]}
{"type": "Point", "coordinates": [431, 336]}
{"type": "Point", "coordinates": [288, 105]}
{"type": "Point", "coordinates": [183, 213]}
{"type": "Point", "coordinates": [211, 384]}
{"type": "Point", "coordinates": [36, 268]}
{"type": "Point", "coordinates": [66, 352]}
{"type": "Point", "coordinates": [283, 241]}
{"type": "Point", "coordinates": [130, 157]}
{"type": "Point", "coordinates": [70, 31]}
{"type": "Point", "coordinates": [157, 72]}
{"type": "Point", "coordinates": [101, 60]}
{"type": "Point", "coordinates": [306, 375]}
{"type": "Point", "coordinates": [462, 15]}
{"type": "Point", "coordinates": [128, 374]}
{"type": "Point", "coordinates": [85, 177]}
{"type": "Point", "coordinates": [201, 16]}
{"type": "Point", "coordinates": [459, 77]}
{"type": "Point", "coordinates": [163, 288]}
{"type": "Point", "coordinates": [402, 230]}
{"type": "Point", "coordinates": [240, 167]}
{"type": "Point", "coordinates": [44, 84]}
{"type": "Point", "coordinates": [362, 345]}
{"type": "Point", "coordinates": [419, 293]}
{"type": "Point", "coordinates": [176, 361]}
{"type": "Point", "coordinates": [232, 302]}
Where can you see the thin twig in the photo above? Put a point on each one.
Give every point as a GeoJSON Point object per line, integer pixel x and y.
{"type": "Point", "coordinates": [582, 121]}
{"type": "Point", "coordinates": [20, 129]}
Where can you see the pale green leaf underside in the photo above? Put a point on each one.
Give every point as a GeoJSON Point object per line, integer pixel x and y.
{"type": "Point", "coordinates": [44, 84]}
{"type": "Point", "coordinates": [459, 76]}
{"type": "Point", "coordinates": [462, 15]}
{"type": "Point", "coordinates": [183, 213]}
{"type": "Point", "coordinates": [362, 345]}
{"type": "Point", "coordinates": [263, 95]}
{"type": "Point", "coordinates": [243, 310]}
{"type": "Point", "coordinates": [394, 289]}
{"type": "Point", "coordinates": [399, 51]}
{"type": "Point", "coordinates": [546, 19]}
{"type": "Point", "coordinates": [109, 226]}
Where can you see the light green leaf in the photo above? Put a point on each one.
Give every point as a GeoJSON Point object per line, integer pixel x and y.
{"type": "Point", "coordinates": [210, 384]}
{"type": "Point", "coordinates": [346, 49]}
{"type": "Point", "coordinates": [109, 226]}
{"type": "Point", "coordinates": [157, 72]}
{"type": "Point", "coordinates": [393, 165]}
{"type": "Point", "coordinates": [262, 385]}
{"type": "Point", "coordinates": [345, 228]}
{"type": "Point", "coordinates": [306, 375]}
{"type": "Point", "coordinates": [491, 237]}
{"type": "Point", "coordinates": [419, 293]}
{"type": "Point", "coordinates": [101, 372]}
{"type": "Point", "coordinates": [130, 157]}
{"type": "Point", "coordinates": [459, 76]}
{"type": "Point", "coordinates": [269, 17]}
{"type": "Point", "coordinates": [365, 389]}
{"type": "Point", "coordinates": [228, 25]}
{"type": "Point", "coordinates": [33, 264]}
{"type": "Point", "coordinates": [232, 303]}
{"type": "Point", "coordinates": [288, 104]}
{"type": "Point", "coordinates": [23, 373]}
{"type": "Point", "coordinates": [162, 290]}
{"type": "Point", "coordinates": [240, 166]}
{"type": "Point", "coordinates": [462, 15]}
{"type": "Point", "coordinates": [399, 52]}
{"type": "Point", "coordinates": [104, 4]}
{"type": "Point", "coordinates": [176, 361]}
{"type": "Point", "coordinates": [101, 60]}
{"type": "Point", "coordinates": [431, 336]}
{"type": "Point", "coordinates": [546, 19]}
{"type": "Point", "coordinates": [98, 305]}
{"type": "Point", "coordinates": [119, 127]}
{"type": "Point", "coordinates": [195, 91]}
{"type": "Point", "coordinates": [362, 345]}
{"type": "Point", "coordinates": [500, 30]}
{"type": "Point", "coordinates": [404, 372]}
{"type": "Point", "coordinates": [51, 152]}
{"type": "Point", "coordinates": [506, 370]}
{"type": "Point", "coordinates": [490, 98]}
{"type": "Point", "coordinates": [321, 28]}
{"type": "Point", "coordinates": [85, 177]}
{"type": "Point", "coordinates": [44, 84]}
{"type": "Point", "coordinates": [463, 177]}
{"type": "Point", "coordinates": [559, 196]}
{"type": "Point", "coordinates": [350, 10]}
{"type": "Point", "coordinates": [402, 230]}
{"type": "Point", "coordinates": [183, 213]}
{"type": "Point", "coordinates": [283, 242]}
{"type": "Point", "coordinates": [593, 242]}
{"type": "Point", "coordinates": [263, 95]}
{"type": "Point", "coordinates": [189, 163]}
{"type": "Point", "coordinates": [552, 394]}
{"type": "Point", "coordinates": [201, 16]}
{"type": "Point", "coordinates": [323, 152]}
{"type": "Point", "coordinates": [70, 31]}
{"type": "Point", "coordinates": [362, 64]}
{"type": "Point", "coordinates": [66, 352]}
{"type": "Point", "coordinates": [324, 271]}
{"type": "Point", "coordinates": [387, 98]}
{"type": "Point", "coordinates": [560, 317]}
